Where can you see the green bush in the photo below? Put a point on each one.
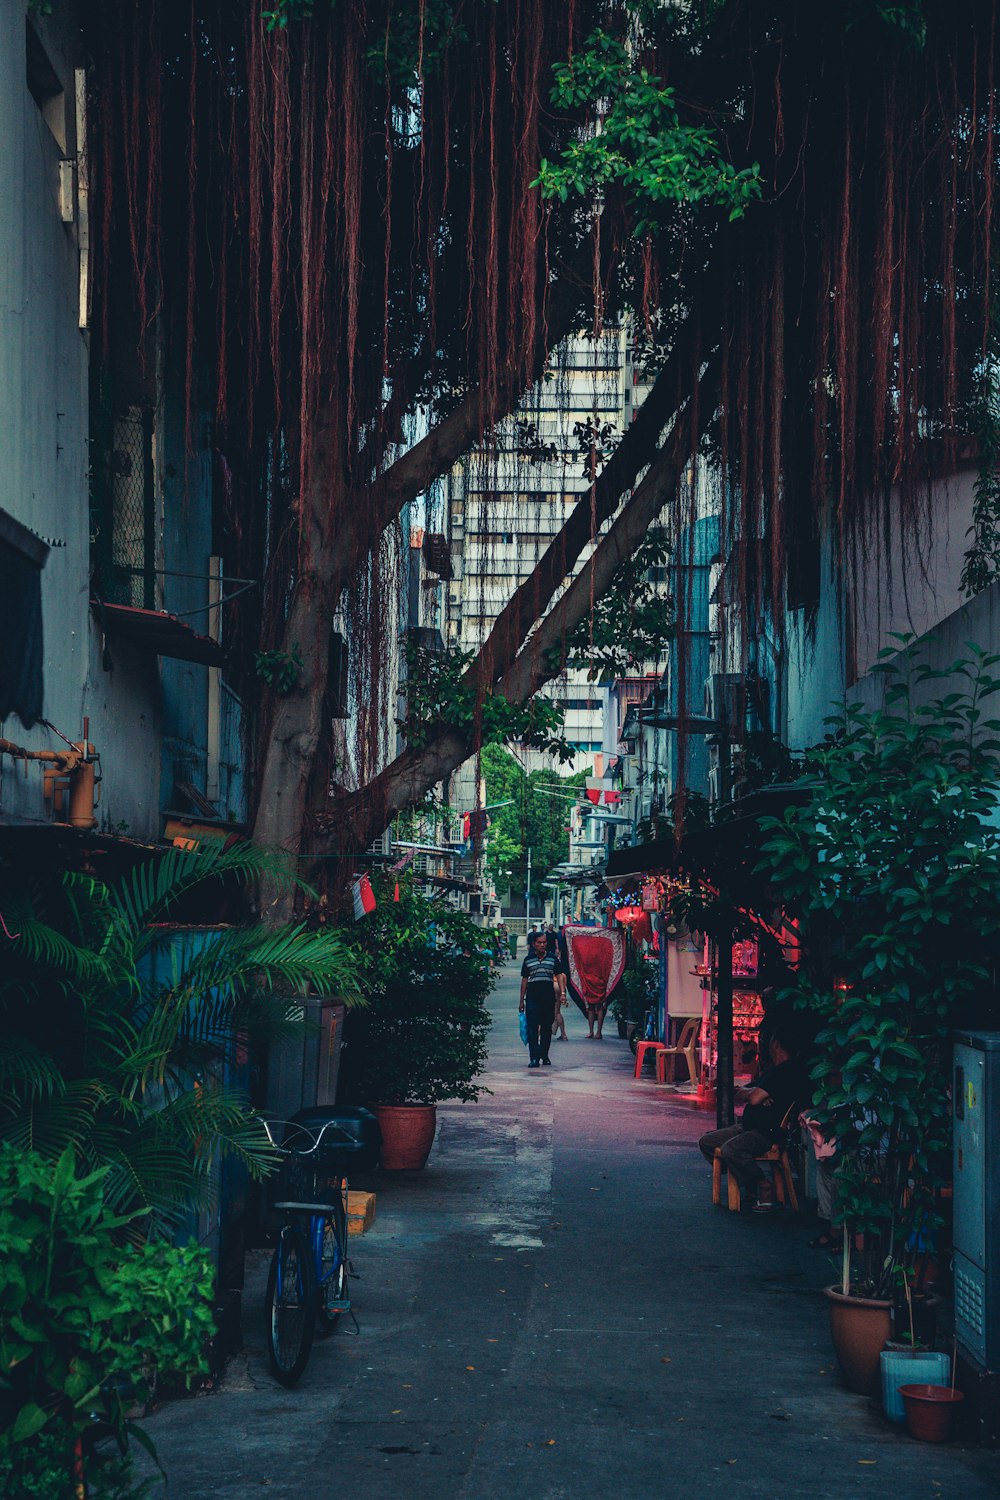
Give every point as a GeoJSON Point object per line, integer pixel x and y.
{"type": "Point", "coordinates": [631, 997]}
{"type": "Point", "coordinates": [892, 865]}
{"type": "Point", "coordinates": [87, 1319]}
{"type": "Point", "coordinates": [422, 1036]}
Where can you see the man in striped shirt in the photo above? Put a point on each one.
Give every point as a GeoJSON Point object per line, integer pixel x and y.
{"type": "Point", "coordinates": [542, 977]}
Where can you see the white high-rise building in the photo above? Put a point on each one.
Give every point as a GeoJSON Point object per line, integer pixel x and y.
{"type": "Point", "coordinates": [506, 507]}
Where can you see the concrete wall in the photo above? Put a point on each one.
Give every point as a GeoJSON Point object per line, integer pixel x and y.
{"type": "Point", "coordinates": [908, 583]}
{"type": "Point", "coordinates": [131, 697]}
{"type": "Point", "coordinates": [43, 387]}
{"type": "Point", "coordinates": [814, 671]}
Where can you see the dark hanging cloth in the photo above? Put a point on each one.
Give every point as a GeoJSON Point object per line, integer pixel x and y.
{"type": "Point", "coordinates": [21, 638]}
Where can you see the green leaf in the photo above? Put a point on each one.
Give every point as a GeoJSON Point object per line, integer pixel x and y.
{"type": "Point", "coordinates": [29, 1420]}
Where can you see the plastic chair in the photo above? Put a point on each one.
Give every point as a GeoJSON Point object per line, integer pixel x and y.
{"type": "Point", "coordinates": [686, 1047]}
{"type": "Point", "coordinates": [640, 1054]}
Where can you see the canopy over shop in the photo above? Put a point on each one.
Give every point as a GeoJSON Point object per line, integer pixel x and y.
{"type": "Point", "coordinates": [748, 944]}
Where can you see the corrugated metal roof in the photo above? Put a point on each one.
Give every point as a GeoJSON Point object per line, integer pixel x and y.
{"type": "Point", "coordinates": [159, 632]}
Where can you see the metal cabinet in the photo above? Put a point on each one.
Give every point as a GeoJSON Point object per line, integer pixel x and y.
{"type": "Point", "coordinates": [976, 1105]}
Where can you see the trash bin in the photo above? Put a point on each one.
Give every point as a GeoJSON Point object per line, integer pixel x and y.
{"type": "Point", "coordinates": [513, 944]}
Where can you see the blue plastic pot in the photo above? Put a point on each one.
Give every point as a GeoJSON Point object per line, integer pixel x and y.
{"type": "Point", "coordinates": [908, 1367]}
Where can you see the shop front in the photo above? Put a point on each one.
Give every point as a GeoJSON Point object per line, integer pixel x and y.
{"type": "Point", "coordinates": [724, 947]}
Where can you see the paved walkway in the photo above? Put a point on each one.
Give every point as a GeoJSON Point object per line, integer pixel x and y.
{"type": "Point", "coordinates": [554, 1309]}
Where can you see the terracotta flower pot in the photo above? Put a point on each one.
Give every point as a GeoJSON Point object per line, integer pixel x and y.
{"type": "Point", "coordinates": [407, 1135]}
{"type": "Point", "coordinates": [929, 1411]}
{"type": "Point", "coordinates": [860, 1327]}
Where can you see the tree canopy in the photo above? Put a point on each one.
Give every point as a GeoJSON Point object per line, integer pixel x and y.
{"type": "Point", "coordinates": [365, 226]}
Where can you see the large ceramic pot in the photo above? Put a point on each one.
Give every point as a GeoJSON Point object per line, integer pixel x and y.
{"type": "Point", "coordinates": [860, 1327]}
{"type": "Point", "coordinates": [407, 1135]}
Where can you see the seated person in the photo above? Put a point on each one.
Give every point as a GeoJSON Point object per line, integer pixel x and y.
{"type": "Point", "coordinates": [768, 1099]}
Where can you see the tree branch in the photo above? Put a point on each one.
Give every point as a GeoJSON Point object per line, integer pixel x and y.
{"type": "Point", "coordinates": [380, 504]}
{"type": "Point", "coordinates": [528, 602]}
{"type": "Point", "coordinates": [361, 815]}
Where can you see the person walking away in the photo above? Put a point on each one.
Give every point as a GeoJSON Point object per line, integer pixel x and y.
{"type": "Point", "coordinates": [542, 978]}
{"type": "Point", "coordinates": [768, 1100]}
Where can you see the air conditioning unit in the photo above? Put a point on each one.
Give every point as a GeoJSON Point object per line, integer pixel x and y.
{"type": "Point", "coordinates": [725, 696]}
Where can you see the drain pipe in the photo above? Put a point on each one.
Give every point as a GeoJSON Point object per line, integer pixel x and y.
{"type": "Point", "coordinates": [71, 777]}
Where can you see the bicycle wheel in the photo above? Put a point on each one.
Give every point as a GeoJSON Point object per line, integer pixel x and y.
{"type": "Point", "coordinates": [333, 1273]}
{"type": "Point", "coordinates": [291, 1306]}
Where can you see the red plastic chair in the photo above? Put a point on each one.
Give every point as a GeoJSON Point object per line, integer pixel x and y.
{"type": "Point", "coordinates": [640, 1054]}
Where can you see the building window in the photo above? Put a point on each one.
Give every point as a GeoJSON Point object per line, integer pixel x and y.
{"type": "Point", "coordinates": [22, 557]}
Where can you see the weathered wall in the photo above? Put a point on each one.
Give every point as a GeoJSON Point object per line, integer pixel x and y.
{"type": "Point", "coordinates": [907, 585]}
{"type": "Point", "coordinates": [147, 717]}
{"type": "Point", "coordinates": [43, 388]}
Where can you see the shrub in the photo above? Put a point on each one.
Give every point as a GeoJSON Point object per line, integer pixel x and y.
{"type": "Point", "coordinates": [87, 1319]}
{"type": "Point", "coordinates": [422, 1036]}
{"type": "Point", "coordinates": [892, 866]}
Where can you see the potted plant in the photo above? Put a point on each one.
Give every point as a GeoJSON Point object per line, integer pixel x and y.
{"type": "Point", "coordinates": [421, 1038]}
{"type": "Point", "coordinates": [628, 1003]}
{"type": "Point", "coordinates": [891, 865]}
{"type": "Point", "coordinates": [907, 1359]}
{"type": "Point", "coordinates": [630, 1000]}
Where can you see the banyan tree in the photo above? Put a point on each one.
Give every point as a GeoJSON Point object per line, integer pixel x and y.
{"type": "Point", "coordinates": [367, 225]}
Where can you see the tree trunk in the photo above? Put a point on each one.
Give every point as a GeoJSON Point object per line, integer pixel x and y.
{"type": "Point", "coordinates": [327, 564]}
{"type": "Point", "coordinates": [297, 726]}
{"type": "Point", "coordinates": [642, 439]}
{"type": "Point", "coordinates": [326, 568]}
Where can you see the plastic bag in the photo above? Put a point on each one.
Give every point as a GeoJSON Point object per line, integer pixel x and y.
{"type": "Point", "coordinates": [523, 1019]}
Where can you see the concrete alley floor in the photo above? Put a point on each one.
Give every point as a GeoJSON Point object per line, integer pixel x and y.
{"type": "Point", "coordinates": [554, 1309]}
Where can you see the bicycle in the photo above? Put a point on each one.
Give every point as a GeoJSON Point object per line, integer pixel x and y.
{"type": "Point", "coordinates": [308, 1277]}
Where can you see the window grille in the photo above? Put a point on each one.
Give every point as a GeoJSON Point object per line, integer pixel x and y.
{"type": "Point", "coordinates": [122, 502]}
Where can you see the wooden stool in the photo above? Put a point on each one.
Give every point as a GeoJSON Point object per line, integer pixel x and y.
{"type": "Point", "coordinates": [784, 1186]}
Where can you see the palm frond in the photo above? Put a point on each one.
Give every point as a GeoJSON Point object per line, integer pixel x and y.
{"type": "Point", "coordinates": [45, 946]}
{"type": "Point", "coordinates": [213, 1119]}
{"type": "Point", "coordinates": [50, 1125]}
{"type": "Point", "coordinates": [25, 1070]}
{"type": "Point", "coordinates": [153, 886]}
{"type": "Point", "coordinates": [154, 1173]}
{"type": "Point", "coordinates": [293, 958]}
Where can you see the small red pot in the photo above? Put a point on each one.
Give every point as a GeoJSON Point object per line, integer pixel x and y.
{"type": "Point", "coordinates": [407, 1135]}
{"type": "Point", "coordinates": [929, 1410]}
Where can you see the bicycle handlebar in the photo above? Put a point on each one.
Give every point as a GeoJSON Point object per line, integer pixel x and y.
{"type": "Point", "coordinates": [287, 1150]}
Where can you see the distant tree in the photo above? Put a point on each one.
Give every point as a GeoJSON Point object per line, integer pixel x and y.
{"type": "Point", "coordinates": [537, 817]}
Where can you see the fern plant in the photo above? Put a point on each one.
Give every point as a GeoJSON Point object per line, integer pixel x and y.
{"type": "Point", "coordinates": [114, 1036]}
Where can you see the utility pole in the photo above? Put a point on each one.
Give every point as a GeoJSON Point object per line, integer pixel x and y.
{"type": "Point", "coordinates": [527, 896]}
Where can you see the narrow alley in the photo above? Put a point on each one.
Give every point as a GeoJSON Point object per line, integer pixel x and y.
{"type": "Point", "coordinates": [553, 1309]}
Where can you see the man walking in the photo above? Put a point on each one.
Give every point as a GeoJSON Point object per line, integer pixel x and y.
{"type": "Point", "coordinates": [541, 976]}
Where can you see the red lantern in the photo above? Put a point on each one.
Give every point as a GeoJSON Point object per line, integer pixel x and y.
{"type": "Point", "coordinates": [628, 914]}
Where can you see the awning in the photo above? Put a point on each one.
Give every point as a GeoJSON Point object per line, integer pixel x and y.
{"type": "Point", "coordinates": [155, 630]}
{"type": "Point", "coordinates": [730, 847]}
{"type": "Point", "coordinates": [451, 883]}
